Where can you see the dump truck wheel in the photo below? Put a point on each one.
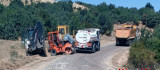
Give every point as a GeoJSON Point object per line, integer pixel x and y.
{"type": "Point", "coordinates": [53, 52]}
{"type": "Point", "coordinates": [98, 46]}
{"type": "Point", "coordinates": [117, 43]}
{"type": "Point", "coordinates": [93, 48]}
{"type": "Point", "coordinates": [129, 42]}
{"type": "Point", "coordinates": [68, 51]}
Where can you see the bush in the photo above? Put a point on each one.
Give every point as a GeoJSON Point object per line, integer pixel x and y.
{"type": "Point", "coordinates": [145, 52]}
{"type": "Point", "coordinates": [140, 56]}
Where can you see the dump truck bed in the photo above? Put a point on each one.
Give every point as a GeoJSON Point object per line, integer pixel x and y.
{"type": "Point", "coordinates": [123, 33]}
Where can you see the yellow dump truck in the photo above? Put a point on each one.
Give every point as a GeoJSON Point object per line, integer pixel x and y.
{"type": "Point", "coordinates": [125, 35]}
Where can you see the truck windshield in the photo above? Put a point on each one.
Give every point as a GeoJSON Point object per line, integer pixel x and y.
{"type": "Point", "coordinates": [62, 31]}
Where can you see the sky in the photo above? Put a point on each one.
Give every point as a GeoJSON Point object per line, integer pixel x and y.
{"type": "Point", "coordinates": [126, 3]}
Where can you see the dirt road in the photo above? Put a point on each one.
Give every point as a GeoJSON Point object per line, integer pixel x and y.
{"type": "Point", "coordinates": [101, 60]}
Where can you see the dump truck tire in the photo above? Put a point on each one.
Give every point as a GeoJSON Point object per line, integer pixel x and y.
{"type": "Point", "coordinates": [129, 42]}
{"type": "Point", "coordinates": [53, 52]}
{"type": "Point", "coordinates": [93, 48]}
{"type": "Point", "coordinates": [117, 42]}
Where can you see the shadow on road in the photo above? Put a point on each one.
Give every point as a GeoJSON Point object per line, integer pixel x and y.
{"type": "Point", "coordinates": [84, 52]}
{"type": "Point", "coordinates": [122, 46]}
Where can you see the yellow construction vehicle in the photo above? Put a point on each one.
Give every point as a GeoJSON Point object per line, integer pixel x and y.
{"type": "Point", "coordinates": [125, 35]}
{"type": "Point", "coordinates": [61, 41]}
{"type": "Point", "coordinates": [64, 29]}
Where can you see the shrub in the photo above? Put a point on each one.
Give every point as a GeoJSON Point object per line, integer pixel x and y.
{"type": "Point", "coordinates": [145, 52]}
{"type": "Point", "coordinates": [14, 55]}
{"type": "Point", "coordinates": [140, 56]}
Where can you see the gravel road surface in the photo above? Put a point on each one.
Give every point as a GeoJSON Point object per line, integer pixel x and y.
{"type": "Point", "coordinates": [101, 60]}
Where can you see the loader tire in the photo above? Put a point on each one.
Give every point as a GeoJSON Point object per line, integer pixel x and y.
{"type": "Point", "coordinates": [28, 53]}
{"type": "Point", "coordinates": [43, 52]}
{"type": "Point", "coordinates": [93, 48]}
{"type": "Point", "coordinates": [53, 52]}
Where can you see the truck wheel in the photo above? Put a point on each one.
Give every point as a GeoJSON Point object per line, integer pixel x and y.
{"type": "Point", "coordinates": [128, 42]}
{"type": "Point", "coordinates": [68, 51]}
{"type": "Point", "coordinates": [93, 48]}
{"type": "Point", "coordinates": [53, 52]}
{"type": "Point", "coordinates": [98, 46]}
{"type": "Point", "coordinates": [117, 43]}
{"type": "Point", "coordinates": [73, 50]}
{"type": "Point", "coordinates": [27, 53]}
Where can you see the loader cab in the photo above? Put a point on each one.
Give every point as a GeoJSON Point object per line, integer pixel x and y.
{"type": "Point", "coordinates": [63, 29]}
{"type": "Point", "coordinates": [53, 39]}
{"type": "Point", "coordinates": [30, 33]}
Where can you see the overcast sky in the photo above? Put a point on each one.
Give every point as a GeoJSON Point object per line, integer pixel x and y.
{"type": "Point", "coordinates": [125, 3]}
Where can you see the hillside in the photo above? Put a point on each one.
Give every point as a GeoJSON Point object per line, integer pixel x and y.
{"type": "Point", "coordinates": [6, 2]}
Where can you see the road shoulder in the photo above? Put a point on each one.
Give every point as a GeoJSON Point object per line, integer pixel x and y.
{"type": "Point", "coordinates": [120, 59]}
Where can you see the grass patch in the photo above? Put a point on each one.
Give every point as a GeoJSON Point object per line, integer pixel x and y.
{"type": "Point", "coordinates": [14, 55]}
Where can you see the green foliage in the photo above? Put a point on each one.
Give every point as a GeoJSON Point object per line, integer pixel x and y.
{"type": "Point", "coordinates": [140, 57]}
{"type": "Point", "coordinates": [16, 17]}
{"type": "Point", "coordinates": [148, 16]}
{"type": "Point", "coordinates": [145, 52]}
{"type": "Point", "coordinates": [148, 5]}
{"type": "Point", "coordinates": [153, 20]}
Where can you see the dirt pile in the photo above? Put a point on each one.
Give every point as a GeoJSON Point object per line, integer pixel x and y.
{"type": "Point", "coordinates": [13, 65]}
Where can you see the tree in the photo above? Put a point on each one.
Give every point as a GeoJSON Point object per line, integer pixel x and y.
{"type": "Point", "coordinates": [16, 2]}
{"type": "Point", "coordinates": [148, 5]}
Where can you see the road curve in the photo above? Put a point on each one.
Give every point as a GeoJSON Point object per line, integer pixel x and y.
{"type": "Point", "coordinates": [100, 60]}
